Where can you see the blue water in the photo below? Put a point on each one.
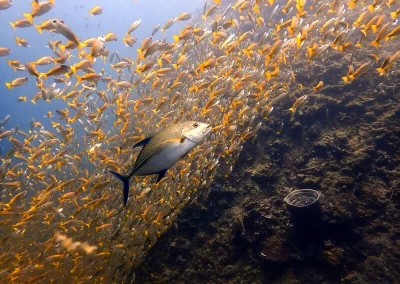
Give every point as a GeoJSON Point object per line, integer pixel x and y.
{"type": "Point", "coordinates": [117, 16]}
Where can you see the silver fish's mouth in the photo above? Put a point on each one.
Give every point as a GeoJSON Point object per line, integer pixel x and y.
{"type": "Point", "coordinates": [198, 133]}
{"type": "Point", "coordinates": [206, 131]}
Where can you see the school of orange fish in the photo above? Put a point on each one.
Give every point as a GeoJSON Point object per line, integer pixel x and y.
{"type": "Point", "coordinates": [61, 214]}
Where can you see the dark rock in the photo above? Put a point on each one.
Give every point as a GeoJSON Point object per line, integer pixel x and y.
{"type": "Point", "coordinates": [274, 251]}
{"type": "Point", "coordinates": [345, 143]}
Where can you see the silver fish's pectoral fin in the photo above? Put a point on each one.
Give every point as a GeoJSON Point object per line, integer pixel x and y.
{"type": "Point", "coordinates": [145, 159]}
{"type": "Point", "coordinates": [142, 142]}
{"type": "Point", "coordinates": [126, 181]}
{"type": "Point", "coordinates": [161, 175]}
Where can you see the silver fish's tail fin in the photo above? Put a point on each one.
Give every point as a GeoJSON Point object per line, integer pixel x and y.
{"type": "Point", "coordinates": [125, 181]}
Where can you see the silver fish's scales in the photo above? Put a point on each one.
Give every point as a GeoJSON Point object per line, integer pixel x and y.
{"type": "Point", "coordinates": [161, 151]}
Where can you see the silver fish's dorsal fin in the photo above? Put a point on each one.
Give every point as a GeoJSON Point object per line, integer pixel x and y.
{"type": "Point", "coordinates": [143, 142]}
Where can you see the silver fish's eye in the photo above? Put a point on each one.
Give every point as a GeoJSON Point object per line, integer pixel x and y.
{"type": "Point", "coordinates": [54, 21]}
{"type": "Point", "coordinates": [195, 125]}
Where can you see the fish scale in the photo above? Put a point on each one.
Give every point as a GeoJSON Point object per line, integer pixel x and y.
{"type": "Point", "coordinates": [163, 150]}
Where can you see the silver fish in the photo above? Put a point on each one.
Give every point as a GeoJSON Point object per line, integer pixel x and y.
{"type": "Point", "coordinates": [163, 150]}
{"type": "Point", "coordinates": [5, 120]}
{"type": "Point", "coordinates": [155, 29]}
{"type": "Point", "coordinates": [205, 7]}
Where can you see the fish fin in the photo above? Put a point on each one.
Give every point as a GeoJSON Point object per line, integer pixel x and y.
{"type": "Point", "coordinates": [371, 8]}
{"type": "Point", "coordinates": [39, 29]}
{"type": "Point", "coordinates": [175, 66]}
{"type": "Point", "coordinates": [161, 175]}
{"type": "Point", "coordinates": [9, 86]}
{"type": "Point", "coordinates": [298, 41]}
{"type": "Point", "coordinates": [12, 24]}
{"type": "Point", "coordinates": [9, 62]}
{"type": "Point", "coordinates": [364, 32]}
{"type": "Point", "coordinates": [375, 43]}
{"type": "Point", "coordinates": [125, 181]}
{"type": "Point", "coordinates": [176, 38]}
{"type": "Point", "coordinates": [90, 58]}
{"type": "Point", "coordinates": [290, 31]}
{"type": "Point", "coordinates": [73, 69]}
{"type": "Point", "coordinates": [43, 75]}
{"type": "Point", "coordinates": [140, 54]}
{"type": "Point", "coordinates": [393, 15]}
{"type": "Point", "coordinates": [202, 67]}
{"type": "Point", "coordinates": [62, 47]}
{"type": "Point", "coordinates": [81, 45]}
{"type": "Point", "coordinates": [381, 71]}
{"type": "Point", "coordinates": [204, 17]}
{"type": "Point", "coordinates": [256, 9]}
{"type": "Point", "coordinates": [143, 161]}
{"type": "Point", "coordinates": [29, 17]}
{"type": "Point", "coordinates": [142, 142]}
{"type": "Point", "coordinates": [351, 4]}
{"type": "Point", "coordinates": [310, 51]}
{"type": "Point", "coordinates": [79, 80]}
{"type": "Point", "coordinates": [35, 4]}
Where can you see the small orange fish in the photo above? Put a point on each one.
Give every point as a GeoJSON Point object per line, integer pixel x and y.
{"type": "Point", "coordinates": [318, 86]}
{"type": "Point", "coordinates": [96, 10]}
{"type": "Point", "coordinates": [17, 82]}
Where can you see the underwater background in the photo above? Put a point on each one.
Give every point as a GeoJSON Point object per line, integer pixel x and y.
{"type": "Point", "coordinates": [297, 98]}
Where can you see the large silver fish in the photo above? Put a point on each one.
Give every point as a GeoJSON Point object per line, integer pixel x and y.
{"type": "Point", "coordinates": [163, 150]}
